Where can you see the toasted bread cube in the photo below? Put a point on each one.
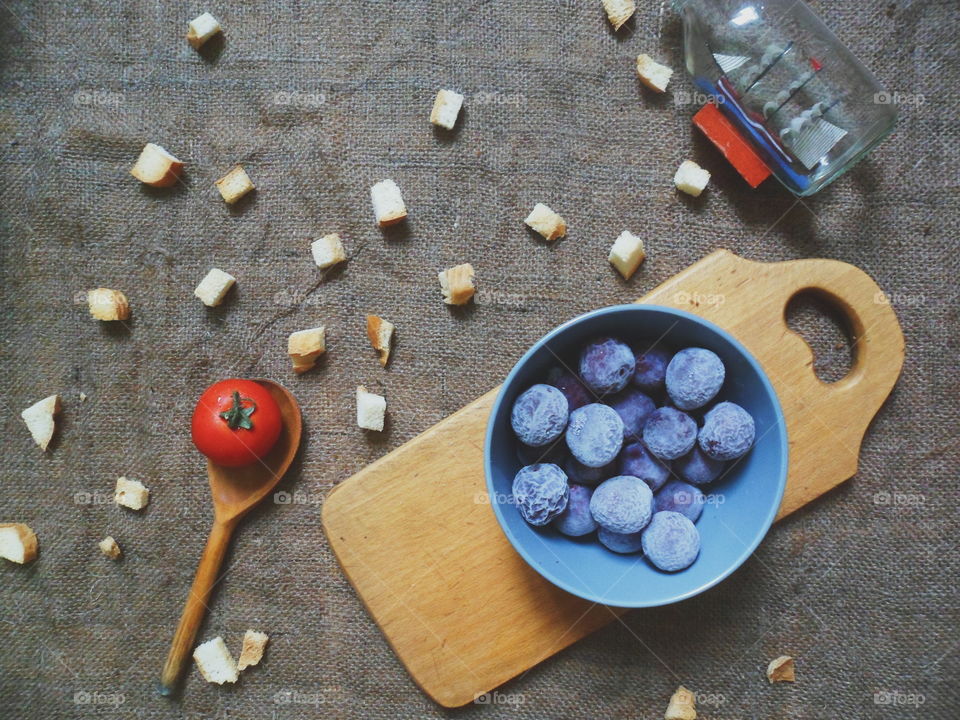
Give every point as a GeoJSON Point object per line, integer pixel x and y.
{"type": "Point", "coordinates": [18, 543]}
{"type": "Point", "coordinates": [305, 346]}
{"type": "Point", "coordinates": [446, 108]}
{"type": "Point", "coordinates": [388, 204]}
{"type": "Point", "coordinates": [214, 286]}
{"type": "Point", "coordinates": [370, 409]}
{"type": "Point", "coordinates": [546, 222]}
{"type": "Point", "coordinates": [691, 178]}
{"type": "Point", "coordinates": [108, 546]}
{"type": "Point", "coordinates": [328, 251]}
{"type": "Point", "coordinates": [108, 305]}
{"type": "Point", "coordinates": [215, 662]}
{"type": "Point", "coordinates": [131, 493]}
{"type": "Point", "coordinates": [380, 332]}
{"type": "Point", "coordinates": [652, 74]}
{"type": "Point", "coordinates": [627, 253]}
{"type": "Point", "coordinates": [619, 11]}
{"type": "Point", "coordinates": [254, 644]}
{"type": "Point", "coordinates": [202, 28]}
{"type": "Point", "coordinates": [682, 706]}
{"type": "Point", "coordinates": [457, 284]}
{"type": "Point", "coordinates": [39, 418]}
{"type": "Point", "coordinates": [781, 669]}
{"type": "Point", "coordinates": [156, 167]}
{"type": "Point", "coordinates": [234, 185]}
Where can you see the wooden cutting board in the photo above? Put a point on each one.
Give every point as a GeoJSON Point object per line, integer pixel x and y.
{"type": "Point", "coordinates": [463, 612]}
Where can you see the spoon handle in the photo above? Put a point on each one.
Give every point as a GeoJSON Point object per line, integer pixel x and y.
{"type": "Point", "coordinates": [196, 605]}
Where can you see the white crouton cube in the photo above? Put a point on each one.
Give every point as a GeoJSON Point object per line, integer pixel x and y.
{"type": "Point", "coordinates": [108, 546]}
{"type": "Point", "coordinates": [214, 286]}
{"type": "Point", "coordinates": [305, 346]}
{"type": "Point", "coordinates": [652, 74]}
{"type": "Point", "coordinates": [781, 669]}
{"type": "Point", "coordinates": [370, 409]}
{"type": "Point", "coordinates": [683, 705]}
{"type": "Point", "coordinates": [546, 222]}
{"type": "Point", "coordinates": [627, 253]}
{"type": "Point", "coordinates": [131, 494]}
{"type": "Point", "coordinates": [108, 305]}
{"type": "Point", "coordinates": [156, 167]}
{"type": "Point", "coordinates": [202, 28]}
{"type": "Point", "coordinates": [234, 185]}
{"type": "Point", "coordinates": [215, 662]}
{"type": "Point", "coordinates": [380, 333]}
{"type": "Point", "coordinates": [457, 284]}
{"type": "Point", "coordinates": [387, 202]}
{"type": "Point", "coordinates": [446, 108]}
{"type": "Point", "coordinates": [328, 251]}
{"type": "Point", "coordinates": [618, 11]}
{"type": "Point", "coordinates": [39, 418]}
{"type": "Point", "coordinates": [18, 543]}
{"type": "Point", "coordinates": [254, 644]}
{"type": "Point", "coordinates": [691, 178]}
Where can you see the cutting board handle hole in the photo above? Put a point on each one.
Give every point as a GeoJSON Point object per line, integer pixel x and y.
{"type": "Point", "coordinates": [817, 318]}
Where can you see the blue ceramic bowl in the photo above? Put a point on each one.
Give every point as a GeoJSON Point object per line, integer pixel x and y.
{"type": "Point", "coordinates": [744, 502]}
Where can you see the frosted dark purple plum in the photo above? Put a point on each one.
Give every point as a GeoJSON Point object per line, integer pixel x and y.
{"type": "Point", "coordinates": [580, 473]}
{"type": "Point", "coordinates": [639, 462]}
{"type": "Point", "coordinates": [622, 504]}
{"type": "Point", "coordinates": [671, 542]}
{"type": "Point", "coordinates": [620, 542]}
{"type": "Point", "coordinates": [728, 432]}
{"type": "Point", "coordinates": [651, 368]}
{"type": "Point", "coordinates": [539, 415]}
{"type": "Point", "coordinates": [540, 492]}
{"type": "Point", "coordinates": [694, 377]}
{"type": "Point", "coordinates": [572, 388]}
{"type": "Point", "coordinates": [606, 365]}
{"type": "Point", "coordinates": [594, 434]}
{"type": "Point", "coordinates": [697, 467]}
{"type": "Point", "coordinates": [576, 519]}
{"type": "Point", "coordinates": [680, 497]}
{"type": "Point", "coordinates": [669, 433]}
{"type": "Point", "coordinates": [634, 408]}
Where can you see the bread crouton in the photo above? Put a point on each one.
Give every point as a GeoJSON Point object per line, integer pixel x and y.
{"type": "Point", "coordinates": [380, 332]}
{"type": "Point", "coordinates": [682, 706]}
{"type": "Point", "coordinates": [446, 108]}
{"type": "Point", "coordinates": [131, 493]}
{"type": "Point", "coordinates": [108, 305]}
{"type": "Point", "coordinates": [691, 178]}
{"type": "Point", "coordinates": [781, 669]}
{"type": "Point", "coordinates": [156, 167]}
{"type": "Point", "coordinates": [108, 546]}
{"type": "Point", "coordinates": [328, 251]}
{"type": "Point", "coordinates": [619, 11]}
{"type": "Point", "coordinates": [202, 28]}
{"type": "Point", "coordinates": [215, 662]}
{"type": "Point", "coordinates": [457, 284]}
{"type": "Point", "coordinates": [18, 543]}
{"type": "Point", "coordinates": [214, 287]}
{"type": "Point", "coordinates": [254, 644]}
{"type": "Point", "coordinates": [371, 409]}
{"type": "Point", "coordinates": [652, 74]}
{"type": "Point", "coordinates": [40, 421]}
{"type": "Point", "coordinates": [234, 185]}
{"type": "Point", "coordinates": [626, 254]}
{"type": "Point", "coordinates": [305, 346]}
{"type": "Point", "coordinates": [546, 222]}
{"type": "Point", "coordinates": [388, 204]}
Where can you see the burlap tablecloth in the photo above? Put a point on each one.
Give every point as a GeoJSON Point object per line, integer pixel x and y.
{"type": "Point", "coordinates": [318, 101]}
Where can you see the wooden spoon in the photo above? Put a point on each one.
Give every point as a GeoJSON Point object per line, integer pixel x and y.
{"type": "Point", "coordinates": [235, 491]}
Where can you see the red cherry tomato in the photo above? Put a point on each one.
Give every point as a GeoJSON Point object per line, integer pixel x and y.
{"type": "Point", "coordinates": [236, 422]}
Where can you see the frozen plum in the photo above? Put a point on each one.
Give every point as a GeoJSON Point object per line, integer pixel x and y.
{"type": "Point", "coordinates": [622, 504]}
{"type": "Point", "coordinates": [606, 365]}
{"type": "Point", "coordinates": [671, 542]}
{"type": "Point", "coordinates": [651, 368]}
{"type": "Point", "coordinates": [680, 497]}
{"type": "Point", "coordinates": [669, 433]}
{"type": "Point", "coordinates": [571, 386]}
{"type": "Point", "coordinates": [595, 434]}
{"type": "Point", "coordinates": [539, 415]}
{"type": "Point", "coordinates": [580, 473]}
{"type": "Point", "coordinates": [540, 492]}
{"type": "Point", "coordinates": [694, 377]}
{"type": "Point", "coordinates": [620, 542]}
{"type": "Point", "coordinates": [634, 408]}
{"type": "Point", "coordinates": [576, 519]}
{"type": "Point", "coordinates": [639, 462]}
{"type": "Point", "coordinates": [697, 467]}
{"type": "Point", "coordinates": [727, 433]}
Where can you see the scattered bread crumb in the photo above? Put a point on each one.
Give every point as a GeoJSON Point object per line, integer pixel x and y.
{"type": "Point", "coordinates": [108, 546]}
{"type": "Point", "coordinates": [214, 287]}
{"type": "Point", "coordinates": [546, 222]}
{"type": "Point", "coordinates": [370, 409]}
{"type": "Point", "coordinates": [387, 203]}
{"type": "Point", "coordinates": [156, 167]}
{"type": "Point", "coordinates": [691, 178]}
{"type": "Point", "coordinates": [328, 251]}
{"type": "Point", "coordinates": [619, 11]}
{"type": "Point", "coordinates": [457, 284]}
{"type": "Point", "coordinates": [253, 646]}
{"type": "Point", "coordinates": [39, 418]}
{"type": "Point", "coordinates": [446, 108]}
{"type": "Point", "coordinates": [215, 662]}
{"type": "Point", "coordinates": [380, 332]}
{"type": "Point", "coordinates": [627, 253]}
{"type": "Point", "coordinates": [652, 74]}
{"type": "Point", "coordinates": [131, 493]}
{"type": "Point", "coordinates": [202, 28]}
{"type": "Point", "coordinates": [305, 346]}
{"type": "Point", "coordinates": [234, 185]}
{"type": "Point", "coordinates": [83, 396]}
{"type": "Point", "coordinates": [108, 305]}
{"type": "Point", "coordinates": [18, 543]}
{"type": "Point", "coordinates": [682, 706]}
{"type": "Point", "coordinates": [781, 669]}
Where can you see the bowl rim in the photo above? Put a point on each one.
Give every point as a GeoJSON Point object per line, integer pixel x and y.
{"type": "Point", "coordinates": [498, 508]}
